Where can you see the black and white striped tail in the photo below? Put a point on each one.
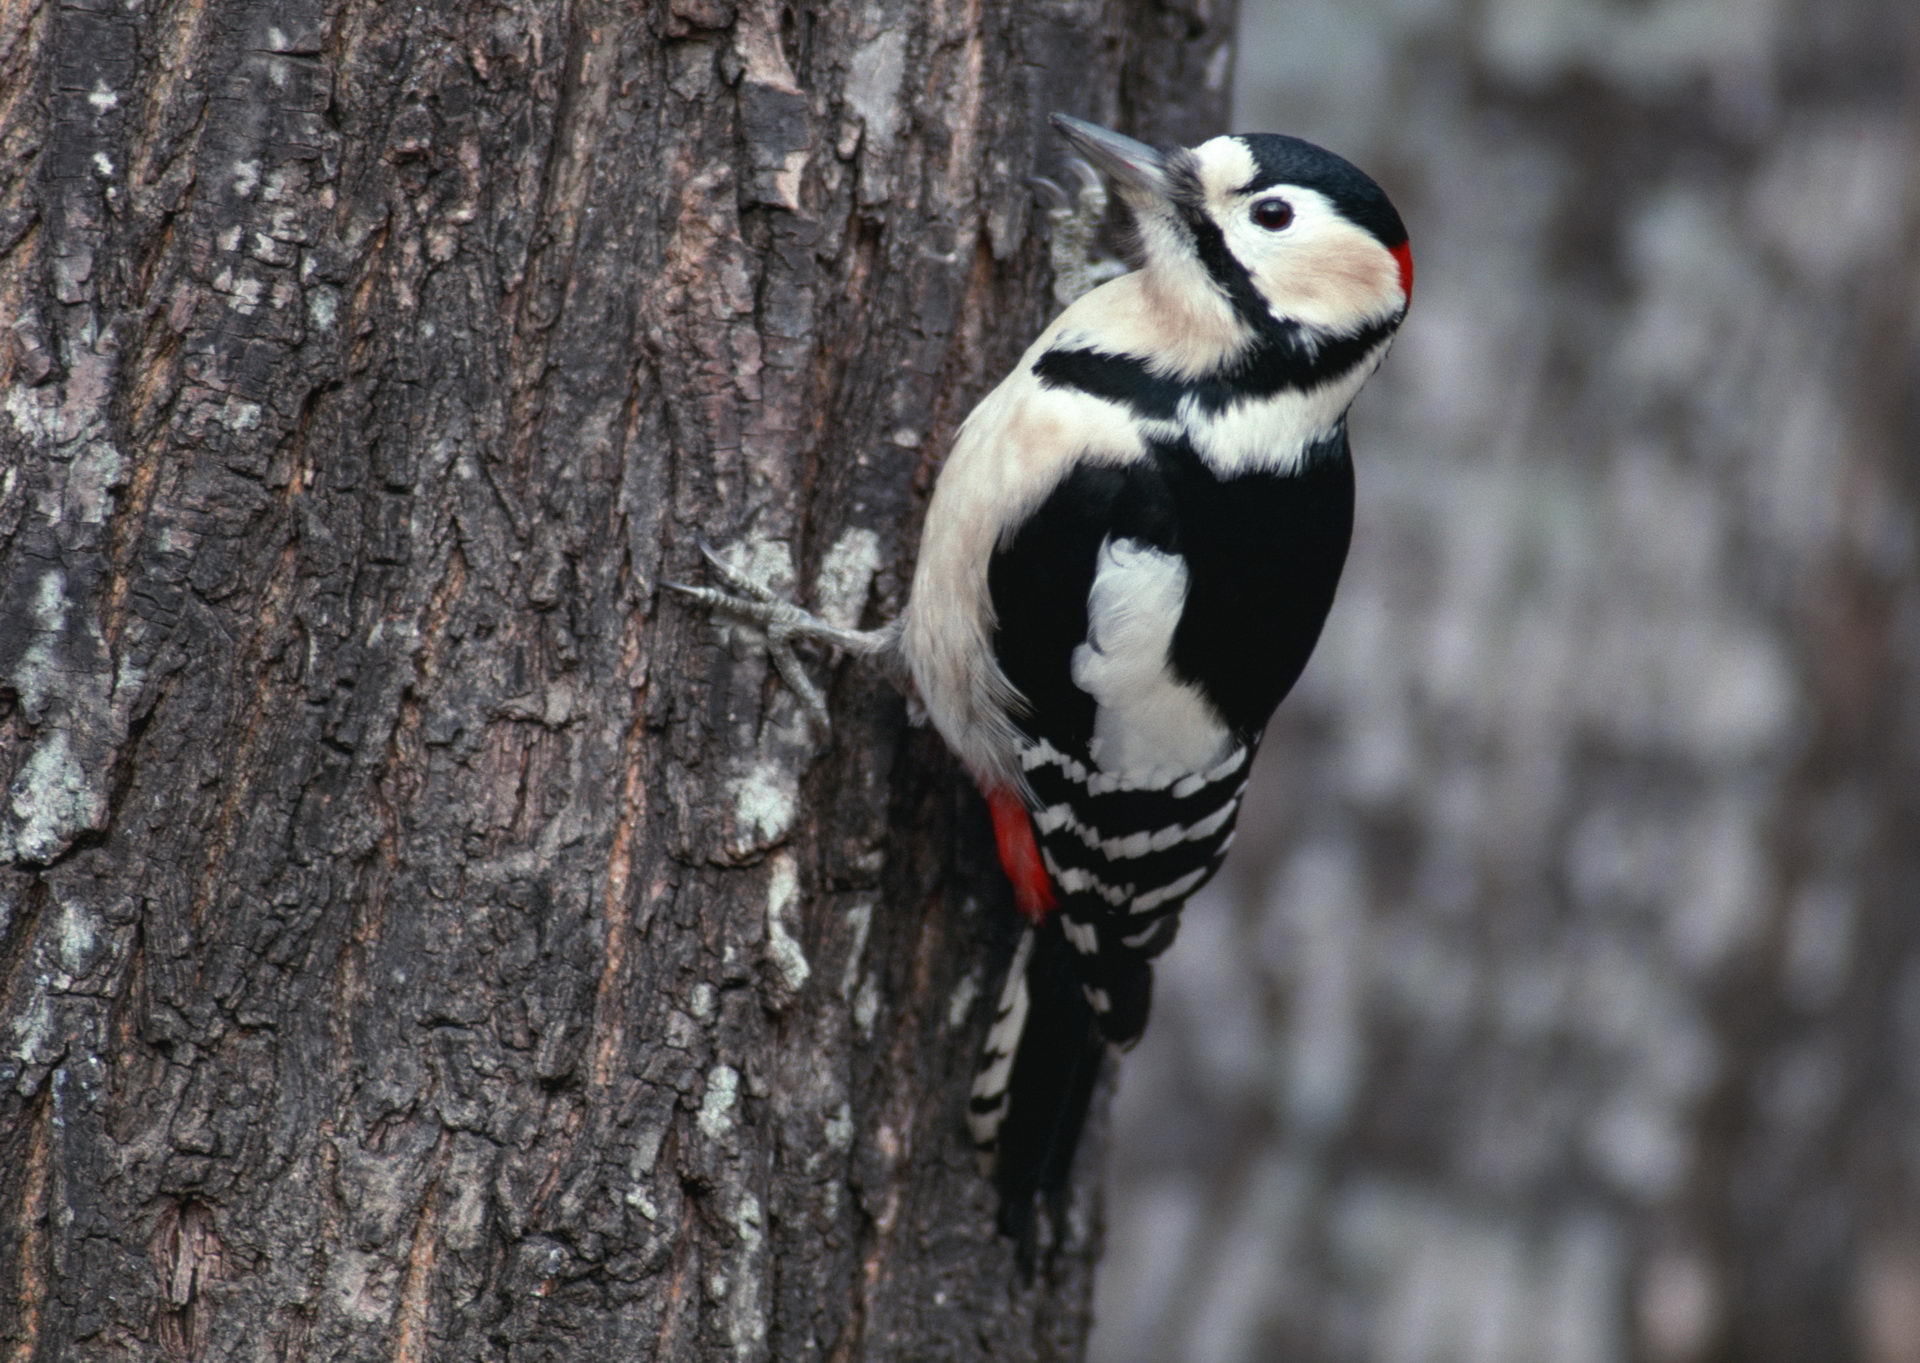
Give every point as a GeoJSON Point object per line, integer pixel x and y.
{"type": "Point", "coordinates": [1036, 1076]}
{"type": "Point", "coordinates": [1124, 855]}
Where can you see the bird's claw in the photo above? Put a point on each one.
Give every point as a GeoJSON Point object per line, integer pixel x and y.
{"type": "Point", "coordinates": [780, 624]}
{"type": "Point", "coordinates": [1052, 197]}
{"type": "Point", "coordinates": [1074, 218]}
{"type": "Point", "coordinates": [1093, 190]}
{"type": "Point", "coordinates": [726, 572]}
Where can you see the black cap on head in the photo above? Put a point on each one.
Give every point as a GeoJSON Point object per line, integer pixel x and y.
{"type": "Point", "coordinates": [1284, 160]}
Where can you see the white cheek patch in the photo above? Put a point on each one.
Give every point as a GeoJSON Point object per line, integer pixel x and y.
{"type": "Point", "coordinates": [1323, 271]}
{"type": "Point", "coordinates": [1147, 720]}
{"type": "Point", "coordinates": [1341, 277]}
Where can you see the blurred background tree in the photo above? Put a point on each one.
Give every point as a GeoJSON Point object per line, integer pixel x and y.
{"type": "Point", "coordinates": [1561, 1000]}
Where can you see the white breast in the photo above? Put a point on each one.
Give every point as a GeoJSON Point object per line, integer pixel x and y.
{"type": "Point", "coordinates": [1147, 722]}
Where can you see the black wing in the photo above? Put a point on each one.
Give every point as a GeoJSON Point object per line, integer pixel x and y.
{"type": "Point", "coordinates": [1263, 551]}
{"type": "Point", "coordinates": [1262, 554]}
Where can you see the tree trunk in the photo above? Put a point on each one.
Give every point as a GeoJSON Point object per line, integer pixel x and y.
{"type": "Point", "coordinates": [421, 937]}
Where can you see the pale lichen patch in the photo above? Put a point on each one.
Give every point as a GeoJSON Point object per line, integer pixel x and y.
{"type": "Point", "coordinates": [52, 800]}
{"type": "Point", "coordinates": [701, 1001]}
{"type": "Point", "coordinates": [323, 306]}
{"type": "Point", "coordinates": [839, 1129]}
{"type": "Point", "coordinates": [33, 1035]}
{"type": "Point", "coordinates": [96, 471]}
{"type": "Point", "coordinates": [716, 1105]}
{"type": "Point", "coordinates": [866, 1006]}
{"type": "Point", "coordinates": [783, 892]}
{"type": "Point", "coordinates": [646, 1149]}
{"type": "Point", "coordinates": [846, 573]}
{"type": "Point", "coordinates": [873, 86]}
{"type": "Point", "coordinates": [681, 1031]}
{"type": "Point", "coordinates": [960, 1002]}
{"type": "Point", "coordinates": [765, 802]}
{"type": "Point", "coordinates": [746, 1322]}
{"type": "Point", "coordinates": [35, 676]}
{"type": "Point", "coordinates": [245, 294]}
{"type": "Point", "coordinates": [860, 921]}
{"type": "Point", "coordinates": [36, 414]}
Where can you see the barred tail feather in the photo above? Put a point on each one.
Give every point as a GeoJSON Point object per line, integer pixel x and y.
{"type": "Point", "coordinates": [1126, 856]}
{"type": "Point", "coordinates": [1036, 1078]}
{"type": "Point", "coordinates": [1101, 867]}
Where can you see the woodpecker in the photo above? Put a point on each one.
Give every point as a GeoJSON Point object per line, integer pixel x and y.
{"type": "Point", "coordinates": [1127, 560]}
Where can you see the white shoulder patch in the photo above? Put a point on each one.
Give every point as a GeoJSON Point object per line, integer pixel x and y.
{"type": "Point", "coordinates": [1147, 721]}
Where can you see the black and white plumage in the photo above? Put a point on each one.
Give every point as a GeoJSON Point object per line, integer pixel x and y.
{"type": "Point", "coordinates": [1127, 561]}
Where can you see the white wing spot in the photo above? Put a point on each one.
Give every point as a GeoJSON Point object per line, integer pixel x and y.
{"type": "Point", "coordinates": [1147, 723]}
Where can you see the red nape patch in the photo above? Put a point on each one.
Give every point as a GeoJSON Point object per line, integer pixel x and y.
{"type": "Point", "coordinates": [1020, 854]}
{"type": "Point", "coordinates": [1404, 254]}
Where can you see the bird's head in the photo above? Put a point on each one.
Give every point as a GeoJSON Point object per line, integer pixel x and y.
{"type": "Point", "coordinates": [1280, 230]}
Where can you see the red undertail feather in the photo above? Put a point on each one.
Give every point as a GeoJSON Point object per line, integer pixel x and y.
{"type": "Point", "coordinates": [1404, 254]}
{"type": "Point", "coordinates": [1020, 854]}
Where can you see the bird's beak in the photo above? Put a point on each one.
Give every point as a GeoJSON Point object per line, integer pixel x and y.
{"type": "Point", "coordinates": [1133, 165]}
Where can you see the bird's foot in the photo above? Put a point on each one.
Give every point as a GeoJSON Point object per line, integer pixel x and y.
{"type": "Point", "coordinates": [780, 624]}
{"type": "Point", "coordinates": [1073, 233]}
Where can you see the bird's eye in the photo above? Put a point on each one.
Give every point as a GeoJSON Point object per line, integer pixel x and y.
{"type": "Point", "coordinates": [1273, 214]}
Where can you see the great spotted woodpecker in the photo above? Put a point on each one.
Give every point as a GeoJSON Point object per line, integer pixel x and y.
{"type": "Point", "coordinates": [1127, 560]}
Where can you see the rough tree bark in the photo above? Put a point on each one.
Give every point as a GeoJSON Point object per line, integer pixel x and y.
{"type": "Point", "coordinates": [420, 938]}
